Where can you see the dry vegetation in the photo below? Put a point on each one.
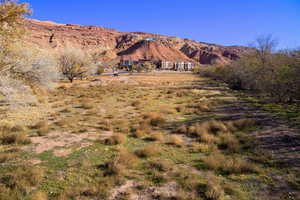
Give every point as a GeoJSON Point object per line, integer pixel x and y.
{"type": "Point", "coordinates": [113, 147]}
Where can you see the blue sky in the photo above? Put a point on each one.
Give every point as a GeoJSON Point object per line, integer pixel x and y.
{"type": "Point", "coordinates": [230, 22]}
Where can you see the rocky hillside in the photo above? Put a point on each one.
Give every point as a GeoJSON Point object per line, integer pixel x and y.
{"type": "Point", "coordinates": [110, 44]}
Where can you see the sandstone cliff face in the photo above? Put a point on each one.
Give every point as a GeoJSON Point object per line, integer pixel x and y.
{"type": "Point", "coordinates": [112, 44]}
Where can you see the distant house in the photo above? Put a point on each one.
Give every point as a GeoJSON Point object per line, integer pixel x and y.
{"type": "Point", "coordinates": [150, 39]}
{"type": "Point", "coordinates": [188, 66]}
{"type": "Point", "coordinates": [162, 65]}
{"type": "Point", "coordinates": [179, 66]}
{"type": "Point", "coordinates": [176, 66]}
{"type": "Point", "coordinates": [166, 65]}
{"type": "Point", "coordinates": [127, 63]}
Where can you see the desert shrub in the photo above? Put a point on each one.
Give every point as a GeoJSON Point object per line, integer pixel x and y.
{"type": "Point", "coordinates": [182, 129]}
{"type": "Point", "coordinates": [39, 125]}
{"type": "Point", "coordinates": [155, 119]}
{"type": "Point", "coordinates": [113, 167]}
{"type": "Point", "coordinates": [116, 139]}
{"type": "Point", "coordinates": [200, 147]}
{"type": "Point", "coordinates": [238, 165]}
{"type": "Point", "coordinates": [136, 103]}
{"type": "Point", "coordinates": [229, 164]}
{"type": "Point", "coordinates": [271, 75]}
{"type": "Point", "coordinates": [175, 140]}
{"type": "Point", "coordinates": [228, 141]}
{"type": "Point", "coordinates": [30, 72]}
{"type": "Point", "coordinates": [160, 165]}
{"type": "Point", "coordinates": [39, 195]}
{"type": "Point", "coordinates": [139, 133]}
{"type": "Point", "coordinates": [127, 159]}
{"type": "Point", "coordinates": [214, 161]}
{"type": "Point", "coordinates": [74, 63]}
{"type": "Point", "coordinates": [214, 191]}
{"type": "Point", "coordinates": [23, 178]}
{"type": "Point", "coordinates": [147, 151]}
{"type": "Point", "coordinates": [99, 70]}
{"type": "Point", "coordinates": [242, 124]}
{"type": "Point", "coordinates": [208, 138]}
{"type": "Point", "coordinates": [157, 137]}
{"type": "Point", "coordinates": [10, 134]}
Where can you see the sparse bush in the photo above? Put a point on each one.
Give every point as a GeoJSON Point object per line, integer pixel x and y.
{"type": "Point", "coordinates": [214, 191]}
{"type": "Point", "coordinates": [39, 195]}
{"type": "Point", "coordinates": [9, 134]}
{"type": "Point", "coordinates": [126, 158]}
{"type": "Point", "coordinates": [147, 151]}
{"type": "Point", "coordinates": [157, 137]}
{"type": "Point", "coordinates": [23, 178]}
{"type": "Point", "coordinates": [160, 165]}
{"type": "Point", "coordinates": [139, 133]}
{"type": "Point", "coordinates": [155, 119]}
{"type": "Point", "coordinates": [74, 63]}
{"type": "Point", "coordinates": [113, 167]}
{"type": "Point", "coordinates": [136, 103]}
{"type": "Point", "coordinates": [200, 147]}
{"type": "Point", "coordinates": [214, 161]}
{"type": "Point", "coordinates": [116, 139]}
{"type": "Point", "coordinates": [271, 75]}
{"type": "Point", "coordinates": [229, 164]}
{"type": "Point", "coordinates": [100, 70]}
{"type": "Point", "coordinates": [228, 141]}
{"type": "Point", "coordinates": [175, 140]}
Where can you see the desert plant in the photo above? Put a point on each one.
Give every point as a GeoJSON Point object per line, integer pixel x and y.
{"type": "Point", "coordinates": [160, 165]}
{"type": "Point", "coordinates": [175, 140]}
{"type": "Point", "coordinates": [157, 136]}
{"type": "Point", "coordinates": [116, 139]}
{"type": "Point", "coordinates": [39, 195]}
{"type": "Point", "coordinates": [73, 63]}
{"type": "Point", "coordinates": [155, 119]}
{"type": "Point", "coordinates": [147, 151]}
{"type": "Point", "coordinates": [214, 191]}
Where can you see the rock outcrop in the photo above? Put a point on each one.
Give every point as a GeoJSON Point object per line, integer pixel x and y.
{"type": "Point", "coordinates": [112, 44]}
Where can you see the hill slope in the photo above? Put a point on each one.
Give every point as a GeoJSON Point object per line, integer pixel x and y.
{"type": "Point", "coordinates": [113, 44]}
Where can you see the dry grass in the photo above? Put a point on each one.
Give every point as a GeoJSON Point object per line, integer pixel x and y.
{"type": "Point", "coordinates": [126, 158]}
{"type": "Point", "coordinates": [214, 161]}
{"type": "Point", "coordinates": [39, 195]}
{"type": "Point", "coordinates": [175, 140]}
{"type": "Point", "coordinates": [214, 191]}
{"type": "Point", "coordinates": [154, 119]}
{"type": "Point", "coordinates": [10, 134]}
{"type": "Point", "coordinates": [229, 164]}
{"type": "Point", "coordinates": [64, 123]}
{"type": "Point", "coordinates": [43, 131]}
{"type": "Point", "coordinates": [180, 109]}
{"type": "Point", "coordinates": [136, 103]}
{"type": "Point", "coordinates": [147, 151]}
{"type": "Point", "coordinates": [116, 139]}
{"type": "Point", "coordinates": [87, 105]}
{"type": "Point", "coordinates": [200, 147]}
{"type": "Point", "coordinates": [139, 133]}
{"type": "Point", "coordinates": [114, 168]}
{"type": "Point", "coordinates": [4, 157]}
{"type": "Point", "coordinates": [214, 127]}
{"type": "Point", "coordinates": [241, 124]}
{"type": "Point", "coordinates": [162, 165]}
{"type": "Point", "coordinates": [229, 142]}
{"type": "Point", "coordinates": [157, 137]}
{"type": "Point", "coordinates": [182, 129]}
{"type": "Point", "coordinates": [24, 178]}
{"type": "Point", "coordinates": [166, 110]}
{"type": "Point", "coordinates": [40, 125]}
